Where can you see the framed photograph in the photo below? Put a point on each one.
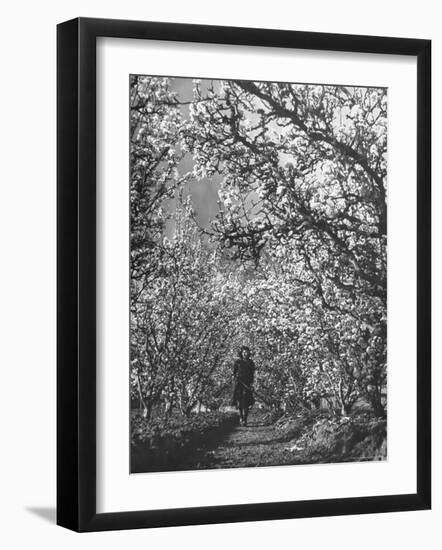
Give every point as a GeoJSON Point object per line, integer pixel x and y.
{"type": "Point", "coordinates": [243, 274]}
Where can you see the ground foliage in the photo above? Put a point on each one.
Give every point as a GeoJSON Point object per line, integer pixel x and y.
{"type": "Point", "coordinates": [331, 439]}
{"type": "Point", "coordinates": [157, 445]}
{"type": "Point", "coordinates": [220, 442]}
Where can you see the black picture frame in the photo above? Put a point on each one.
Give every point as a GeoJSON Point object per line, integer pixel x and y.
{"type": "Point", "coordinates": [77, 287]}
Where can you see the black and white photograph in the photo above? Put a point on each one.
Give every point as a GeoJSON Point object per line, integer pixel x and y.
{"type": "Point", "coordinates": [220, 262]}
{"type": "Point", "coordinates": [258, 273]}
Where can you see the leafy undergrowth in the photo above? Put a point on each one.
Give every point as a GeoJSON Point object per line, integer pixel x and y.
{"type": "Point", "coordinates": [344, 439]}
{"type": "Point", "coordinates": [316, 438]}
{"type": "Point", "coordinates": [158, 446]}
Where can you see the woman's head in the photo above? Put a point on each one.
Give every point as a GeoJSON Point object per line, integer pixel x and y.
{"type": "Point", "coordinates": [244, 352]}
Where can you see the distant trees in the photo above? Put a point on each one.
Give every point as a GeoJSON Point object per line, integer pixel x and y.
{"type": "Point", "coordinates": [294, 264]}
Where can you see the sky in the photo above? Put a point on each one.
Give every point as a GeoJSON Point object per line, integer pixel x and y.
{"type": "Point", "coordinates": [204, 192]}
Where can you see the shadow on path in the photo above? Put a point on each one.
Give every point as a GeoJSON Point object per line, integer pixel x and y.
{"type": "Point", "coordinates": [258, 444]}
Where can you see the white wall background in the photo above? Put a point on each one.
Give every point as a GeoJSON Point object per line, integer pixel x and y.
{"type": "Point", "coordinates": [27, 273]}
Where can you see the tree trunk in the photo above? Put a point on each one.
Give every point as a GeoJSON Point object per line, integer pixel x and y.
{"type": "Point", "coordinates": [378, 408]}
{"type": "Point", "coordinates": [146, 410]}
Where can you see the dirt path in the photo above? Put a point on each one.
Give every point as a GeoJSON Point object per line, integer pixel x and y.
{"type": "Point", "coordinates": [257, 444]}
